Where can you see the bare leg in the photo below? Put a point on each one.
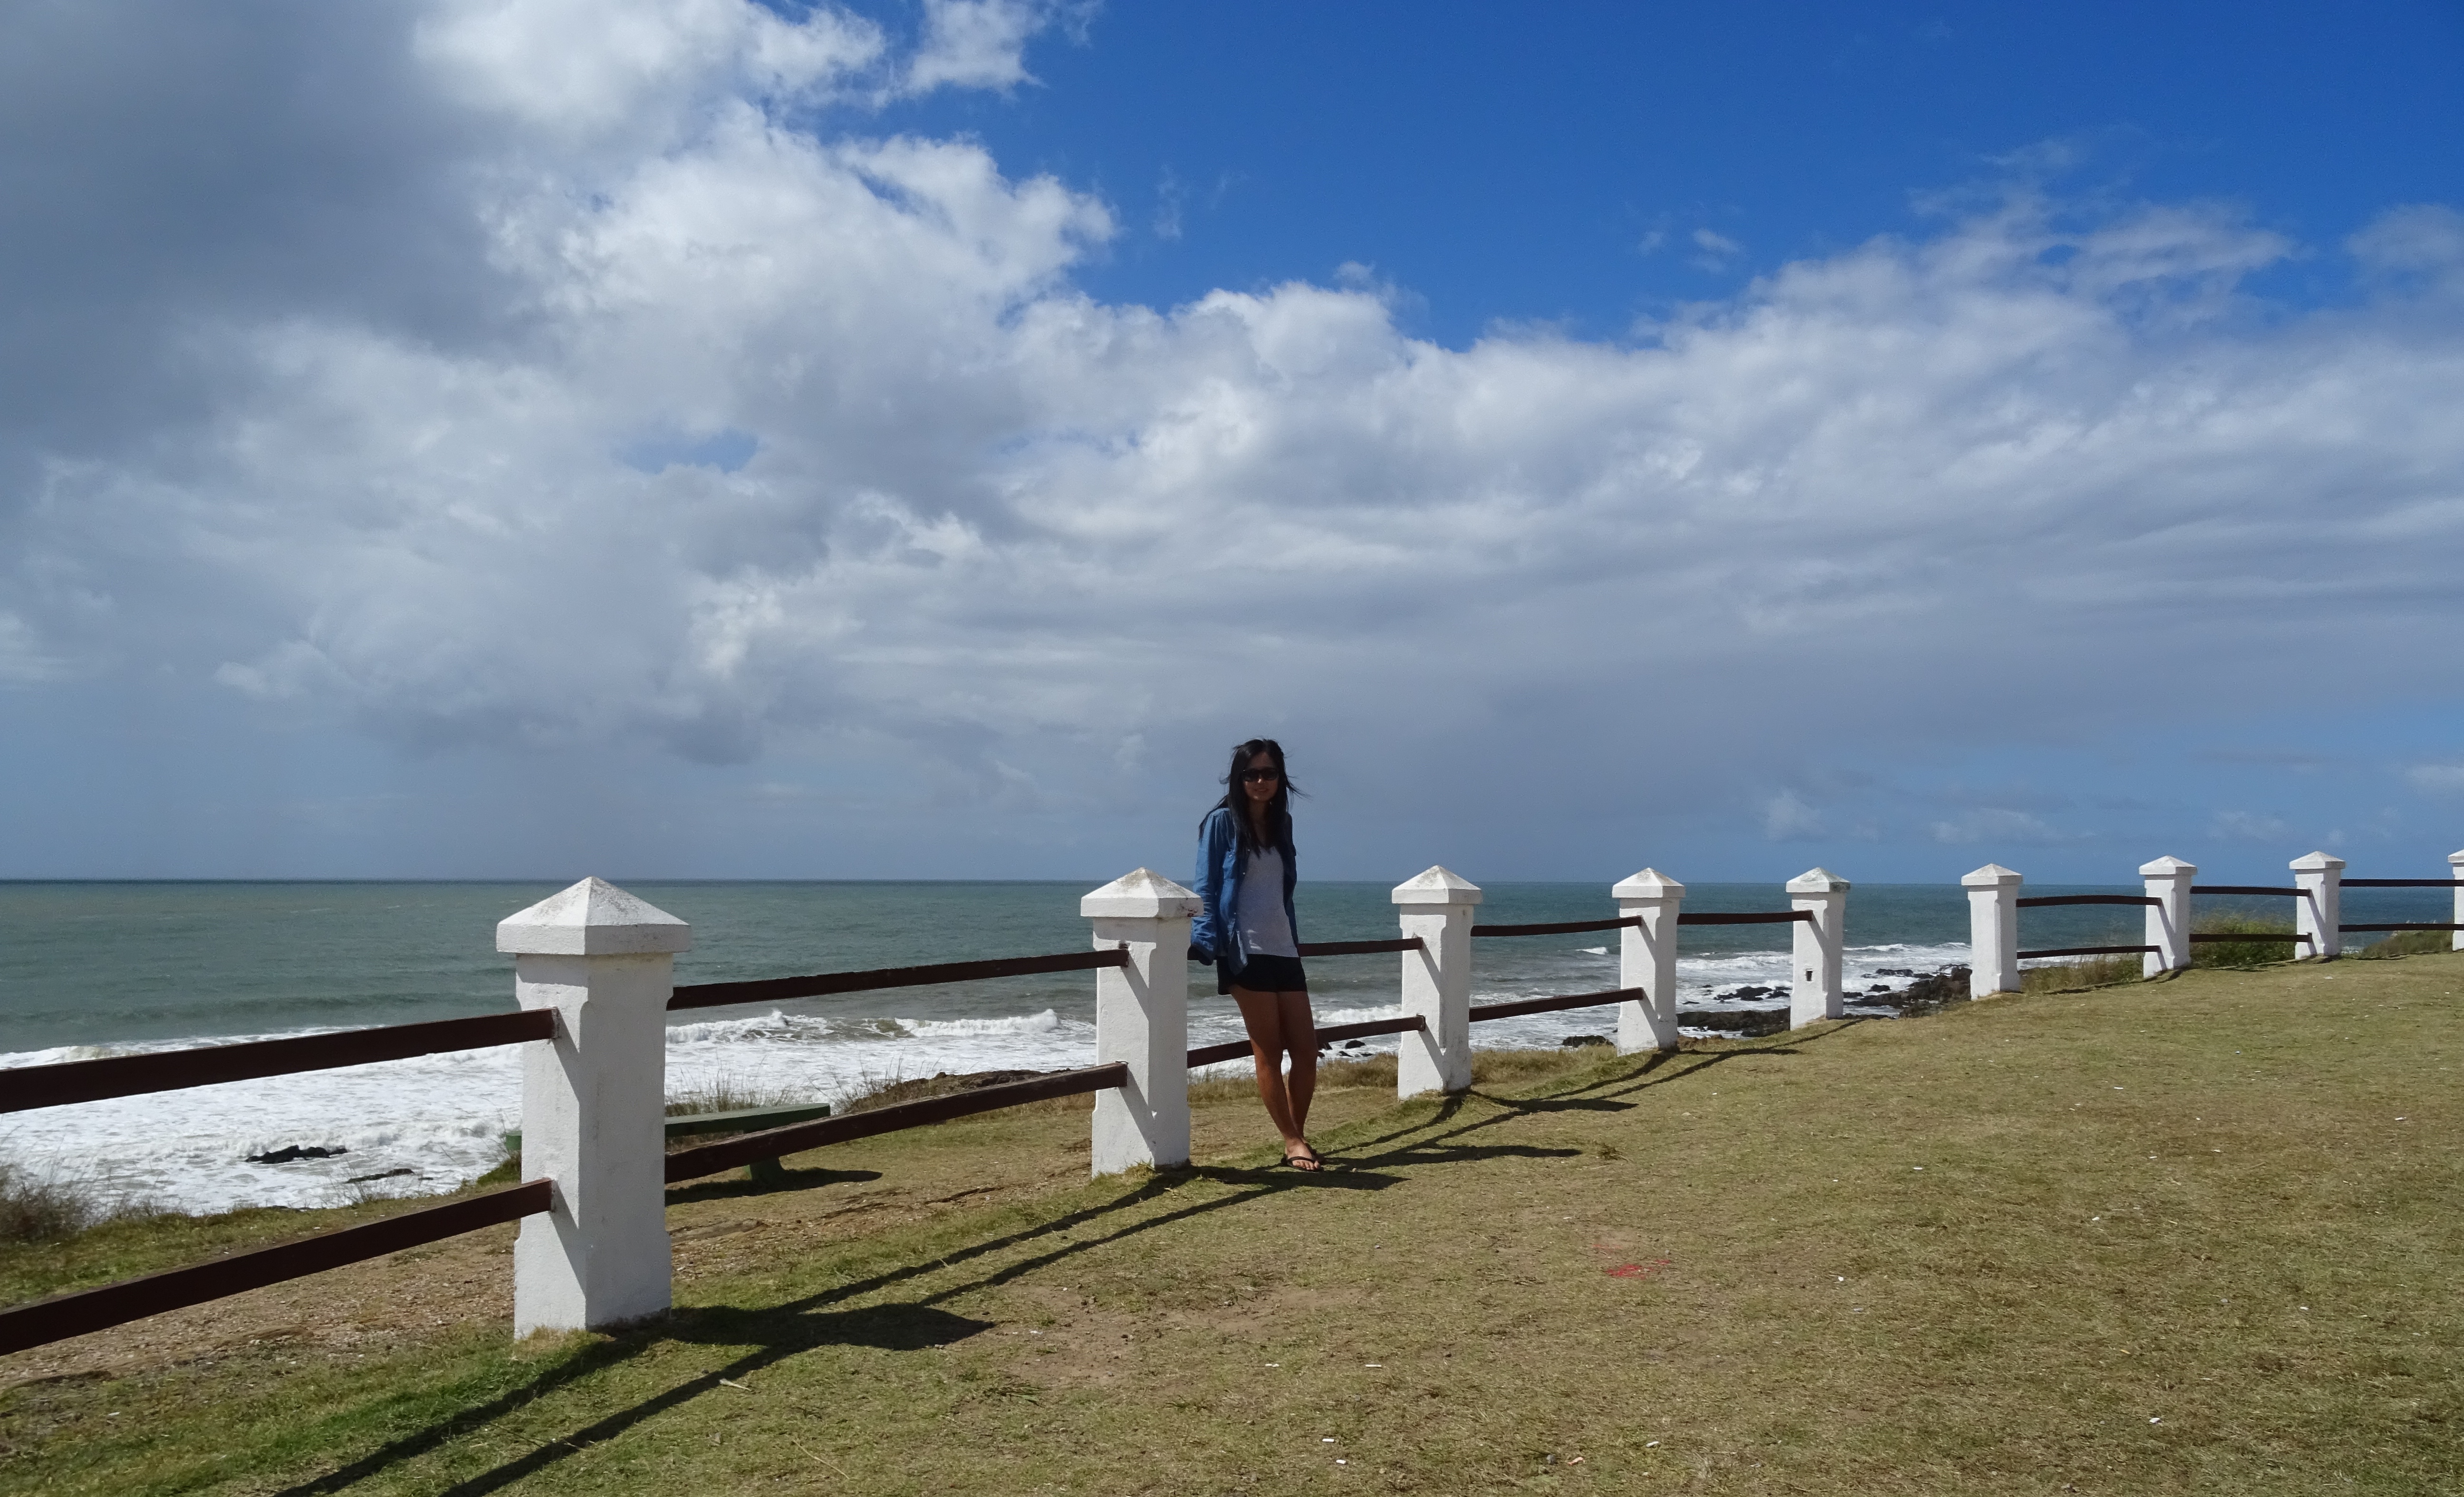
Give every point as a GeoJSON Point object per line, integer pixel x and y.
{"type": "Point", "coordinates": [1271, 1037]}
{"type": "Point", "coordinates": [1300, 1043]}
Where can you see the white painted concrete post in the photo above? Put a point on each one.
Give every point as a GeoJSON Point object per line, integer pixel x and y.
{"type": "Point", "coordinates": [2169, 921]}
{"type": "Point", "coordinates": [1435, 906]}
{"type": "Point", "coordinates": [1142, 1018]}
{"type": "Point", "coordinates": [2321, 909]}
{"type": "Point", "coordinates": [593, 1101]}
{"type": "Point", "coordinates": [1814, 989]}
{"type": "Point", "coordinates": [2455, 870]}
{"type": "Point", "coordinates": [1647, 959]}
{"type": "Point", "coordinates": [1992, 929]}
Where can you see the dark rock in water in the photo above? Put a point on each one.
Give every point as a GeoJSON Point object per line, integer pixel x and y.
{"type": "Point", "coordinates": [1748, 1022]}
{"type": "Point", "coordinates": [381, 1175]}
{"type": "Point", "coordinates": [1895, 972]}
{"type": "Point", "coordinates": [1355, 1045]}
{"type": "Point", "coordinates": [1926, 995]}
{"type": "Point", "coordinates": [1747, 995]}
{"type": "Point", "coordinates": [284, 1156]}
{"type": "Point", "coordinates": [1576, 1041]}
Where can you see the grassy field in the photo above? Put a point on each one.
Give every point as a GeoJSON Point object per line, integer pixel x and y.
{"type": "Point", "coordinates": [2192, 1236]}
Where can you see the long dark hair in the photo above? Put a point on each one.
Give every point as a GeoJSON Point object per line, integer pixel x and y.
{"type": "Point", "coordinates": [1279, 810]}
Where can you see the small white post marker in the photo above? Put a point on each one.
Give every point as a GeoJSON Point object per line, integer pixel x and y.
{"type": "Point", "coordinates": [2455, 871]}
{"type": "Point", "coordinates": [1435, 906]}
{"type": "Point", "coordinates": [2168, 919]}
{"type": "Point", "coordinates": [1647, 959]}
{"type": "Point", "coordinates": [1142, 1019]}
{"type": "Point", "coordinates": [1814, 987]}
{"type": "Point", "coordinates": [594, 1099]}
{"type": "Point", "coordinates": [1992, 929]}
{"type": "Point", "coordinates": [2321, 909]}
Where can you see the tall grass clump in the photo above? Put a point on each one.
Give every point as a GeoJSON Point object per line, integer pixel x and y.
{"type": "Point", "coordinates": [2242, 953]}
{"type": "Point", "coordinates": [2410, 943]}
{"type": "Point", "coordinates": [49, 1208]}
{"type": "Point", "coordinates": [730, 1093]}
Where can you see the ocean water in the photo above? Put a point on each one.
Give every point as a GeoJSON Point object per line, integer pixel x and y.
{"type": "Point", "coordinates": [97, 969]}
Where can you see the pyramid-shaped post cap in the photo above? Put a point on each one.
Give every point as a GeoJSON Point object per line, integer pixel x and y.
{"type": "Point", "coordinates": [1992, 876]}
{"type": "Point", "coordinates": [1817, 881]}
{"type": "Point", "coordinates": [2456, 858]}
{"type": "Point", "coordinates": [2314, 862]}
{"type": "Point", "coordinates": [1140, 895]}
{"type": "Point", "coordinates": [592, 918]}
{"type": "Point", "coordinates": [1649, 884]}
{"type": "Point", "coordinates": [1436, 885]}
{"type": "Point", "coordinates": [2164, 868]}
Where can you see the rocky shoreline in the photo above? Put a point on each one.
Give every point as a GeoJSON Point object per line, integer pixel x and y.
{"type": "Point", "coordinates": [1925, 993]}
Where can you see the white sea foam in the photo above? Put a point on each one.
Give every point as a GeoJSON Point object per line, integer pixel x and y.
{"type": "Point", "coordinates": [943, 1028]}
{"type": "Point", "coordinates": [443, 1116]}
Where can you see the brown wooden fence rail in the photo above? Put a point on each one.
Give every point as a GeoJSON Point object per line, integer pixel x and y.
{"type": "Point", "coordinates": [1542, 1006]}
{"type": "Point", "coordinates": [2406, 925]}
{"type": "Point", "coordinates": [2088, 950]}
{"type": "Point", "coordinates": [2248, 935]}
{"type": "Point", "coordinates": [2043, 901]}
{"type": "Point", "coordinates": [1360, 948]}
{"type": "Point", "coordinates": [1327, 1034]}
{"type": "Point", "coordinates": [2245, 889]}
{"type": "Point", "coordinates": [795, 1138]}
{"type": "Point", "coordinates": [76, 1314]}
{"type": "Point", "coordinates": [776, 990]}
{"type": "Point", "coordinates": [1772, 917]}
{"type": "Point", "coordinates": [171, 1071]}
{"type": "Point", "coordinates": [1558, 928]}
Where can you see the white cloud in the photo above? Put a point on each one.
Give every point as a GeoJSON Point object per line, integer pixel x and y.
{"type": "Point", "coordinates": [2436, 778]}
{"type": "Point", "coordinates": [1786, 818]}
{"type": "Point", "coordinates": [976, 513]}
{"type": "Point", "coordinates": [2246, 826]}
{"type": "Point", "coordinates": [587, 68]}
{"type": "Point", "coordinates": [2424, 240]}
{"type": "Point", "coordinates": [22, 658]}
{"type": "Point", "coordinates": [1995, 824]}
{"type": "Point", "coordinates": [975, 44]}
{"type": "Point", "coordinates": [1716, 249]}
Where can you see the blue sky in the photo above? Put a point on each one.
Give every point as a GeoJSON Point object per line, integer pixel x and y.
{"type": "Point", "coordinates": [688, 439]}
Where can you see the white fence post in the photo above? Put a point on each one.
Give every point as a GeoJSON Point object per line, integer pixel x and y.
{"type": "Point", "coordinates": [2168, 919]}
{"type": "Point", "coordinates": [2321, 909]}
{"type": "Point", "coordinates": [593, 1102]}
{"type": "Point", "coordinates": [1142, 1019]}
{"type": "Point", "coordinates": [2455, 871]}
{"type": "Point", "coordinates": [1435, 906]}
{"type": "Point", "coordinates": [1813, 990]}
{"type": "Point", "coordinates": [1647, 959]}
{"type": "Point", "coordinates": [1992, 929]}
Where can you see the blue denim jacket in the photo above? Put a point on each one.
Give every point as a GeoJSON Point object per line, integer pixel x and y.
{"type": "Point", "coordinates": [1215, 936]}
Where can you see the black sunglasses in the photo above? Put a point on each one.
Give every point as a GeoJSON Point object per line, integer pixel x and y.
{"type": "Point", "coordinates": [1251, 776]}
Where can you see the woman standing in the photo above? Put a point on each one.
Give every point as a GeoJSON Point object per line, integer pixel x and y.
{"type": "Point", "coordinates": [1248, 930]}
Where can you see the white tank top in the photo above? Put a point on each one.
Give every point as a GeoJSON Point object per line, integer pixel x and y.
{"type": "Point", "coordinates": [1265, 930]}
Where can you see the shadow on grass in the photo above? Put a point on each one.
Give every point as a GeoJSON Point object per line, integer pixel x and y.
{"type": "Point", "coordinates": [779, 1331]}
{"type": "Point", "coordinates": [784, 1330]}
{"type": "Point", "coordinates": [1658, 1069]}
{"type": "Point", "coordinates": [781, 1179]}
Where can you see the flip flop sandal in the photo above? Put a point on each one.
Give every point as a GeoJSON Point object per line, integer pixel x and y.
{"type": "Point", "coordinates": [1307, 1163]}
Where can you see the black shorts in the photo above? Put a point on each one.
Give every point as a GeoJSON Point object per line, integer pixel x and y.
{"type": "Point", "coordinates": [1263, 973]}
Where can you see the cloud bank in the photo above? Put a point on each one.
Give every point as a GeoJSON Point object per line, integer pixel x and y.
{"type": "Point", "coordinates": [540, 375]}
